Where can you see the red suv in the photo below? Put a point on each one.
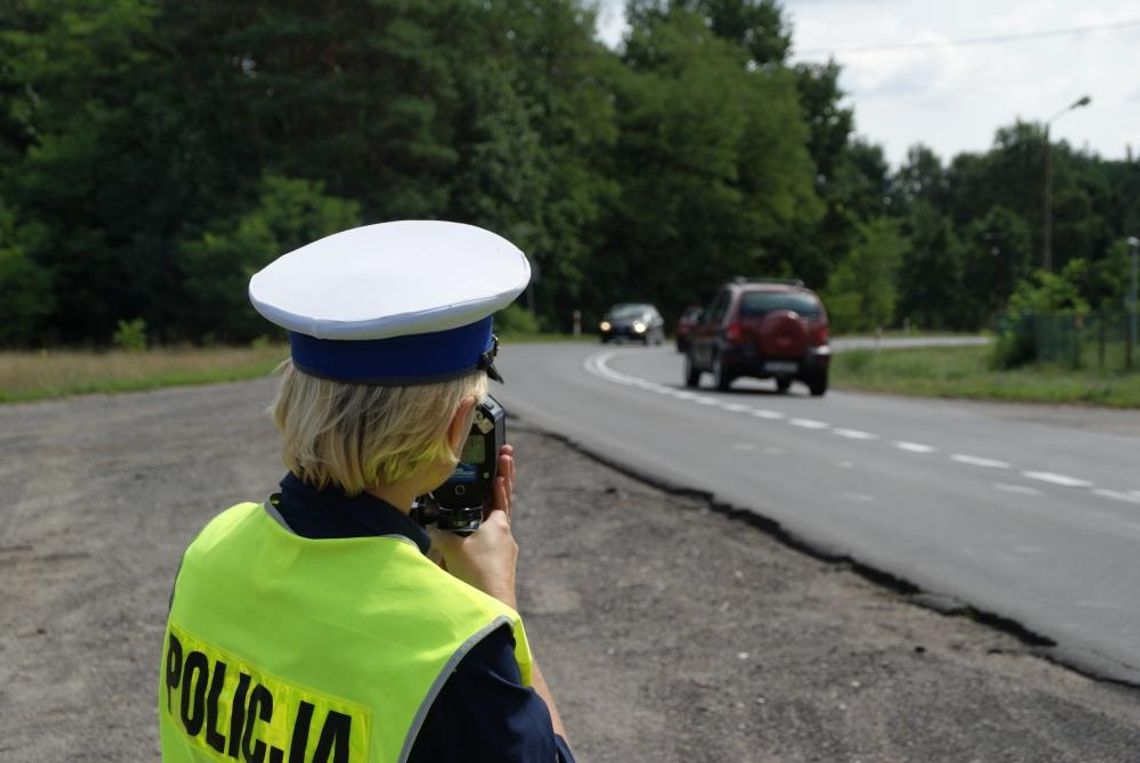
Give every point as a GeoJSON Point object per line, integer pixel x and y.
{"type": "Point", "coordinates": [767, 329]}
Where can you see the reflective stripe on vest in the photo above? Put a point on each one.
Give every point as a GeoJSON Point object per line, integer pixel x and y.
{"type": "Point", "coordinates": [284, 649]}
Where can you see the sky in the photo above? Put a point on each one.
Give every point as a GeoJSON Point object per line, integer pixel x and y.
{"type": "Point", "coordinates": [952, 96]}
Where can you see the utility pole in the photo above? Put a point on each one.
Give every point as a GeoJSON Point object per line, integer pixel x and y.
{"type": "Point", "coordinates": [1047, 232]}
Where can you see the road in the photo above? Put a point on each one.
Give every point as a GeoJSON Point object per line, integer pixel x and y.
{"type": "Point", "coordinates": [1028, 513]}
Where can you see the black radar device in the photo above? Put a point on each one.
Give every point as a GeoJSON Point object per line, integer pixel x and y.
{"type": "Point", "coordinates": [458, 504]}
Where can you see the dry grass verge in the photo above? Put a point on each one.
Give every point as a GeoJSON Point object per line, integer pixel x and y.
{"type": "Point", "coordinates": [28, 376]}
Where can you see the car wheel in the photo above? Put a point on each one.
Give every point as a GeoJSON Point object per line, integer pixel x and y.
{"type": "Point", "coordinates": [721, 379]}
{"type": "Point", "coordinates": [692, 374]}
{"type": "Point", "coordinates": [817, 385]}
{"type": "Point", "coordinates": [783, 384]}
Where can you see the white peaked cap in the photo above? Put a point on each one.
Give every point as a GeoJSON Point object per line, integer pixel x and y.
{"type": "Point", "coordinates": [430, 284]}
{"type": "Point", "coordinates": [391, 279]}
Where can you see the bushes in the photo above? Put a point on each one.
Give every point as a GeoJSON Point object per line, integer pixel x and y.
{"type": "Point", "coordinates": [515, 320]}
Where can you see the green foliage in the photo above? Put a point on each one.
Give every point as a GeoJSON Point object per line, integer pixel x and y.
{"type": "Point", "coordinates": [930, 276]}
{"type": "Point", "coordinates": [1045, 292]}
{"type": "Point", "coordinates": [154, 154]}
{"type": "Point", "coordinates": [994, 256]}
{"type": "Point", "coordinates": [861, 294]}
{"type": "Point", "coordinates": [1037, 300]}
{"type": "Point", "coordinates": [25, 286]}
{"type": "Point", "coordinates": [217, 266]}
{"type": "Point", "coordinates": [130, 336]}
{"type": "Point", "coordinates": [715, 178]}
{"type": "Point", "coordinates": [515, 320]}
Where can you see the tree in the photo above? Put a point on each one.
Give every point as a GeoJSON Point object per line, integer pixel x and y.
{"type": "Point", "coordinates": [757, 27]}
{"type": "Point", "coordinates": [995, 255]}
{"type": "Point", "coordinates": [25, 286]}
{"type": "Point", "coordinates": [862, 292]}
{"type": "Point", "coordinates": [930, 275]}
{"type": "Point", "coordinates": [921, 178]}
{"type": "Point", "coordinates": [217, 266]}
{"type": "Point", "coordinates": [715, 180]}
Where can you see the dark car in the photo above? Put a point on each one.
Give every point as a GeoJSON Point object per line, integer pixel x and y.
{"type": "Point", "coordinates": [634, 321]}
{"type": "Point", "coordinates": [766, 329]}
{"type": "Point", "coordinates": [689, 318]}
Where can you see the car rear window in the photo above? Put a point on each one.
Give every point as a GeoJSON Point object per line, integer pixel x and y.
{"type": "Point", "coordinates": [753, 303]}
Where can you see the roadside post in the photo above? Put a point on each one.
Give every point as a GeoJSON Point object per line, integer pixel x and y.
{"type": "Point", "coordinates": [577, 314]}
{"type": "Point", "coordinates": [1134, 247]}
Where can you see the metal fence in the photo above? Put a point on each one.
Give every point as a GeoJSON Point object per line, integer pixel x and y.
{"type": "Point", "coordinates": [1106, 341]}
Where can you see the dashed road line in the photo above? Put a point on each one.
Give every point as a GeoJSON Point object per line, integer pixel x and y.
{"type": "Point", "coordinates": [1056, 479]}
{"type": "Point", "coordinates": [1116, 495]}
{"type": "Point", "coordinates": [596, 365]}
{"type": "Point", "coordinates": [985, 463]}
{"type": "Point", "coordinates": [915, 447]}
{"type": "Point", "coordinates": [854, 434]}
{"type": "Point", "coordinates": [1019, 489]}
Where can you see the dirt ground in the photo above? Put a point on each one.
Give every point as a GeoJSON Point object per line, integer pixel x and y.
{"type": "Point", "coordinates": [668, 631]}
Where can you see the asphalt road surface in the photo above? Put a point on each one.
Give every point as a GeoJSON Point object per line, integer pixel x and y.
{"type": "Point", "coordinates": [668, 631]}
{"type": "Point", "coordinates": [1028, 513]}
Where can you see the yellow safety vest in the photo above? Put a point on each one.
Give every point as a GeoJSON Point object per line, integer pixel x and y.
{"type": "Point", "coordinates": [283, 649]}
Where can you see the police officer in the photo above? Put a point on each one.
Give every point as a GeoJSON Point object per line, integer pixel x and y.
{"type": "Point", "coordinates": [324, 624]}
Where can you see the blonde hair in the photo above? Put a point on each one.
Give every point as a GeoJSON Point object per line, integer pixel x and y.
{"type": "Point", "coordinates": [358, 436]}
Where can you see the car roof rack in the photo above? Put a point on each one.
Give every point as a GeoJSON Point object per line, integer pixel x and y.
{"type": "Point", "coordinates": [784, 281]}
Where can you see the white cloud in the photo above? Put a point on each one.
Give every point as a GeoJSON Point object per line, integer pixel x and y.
{"type": "Point", "coordinates": [954, 97]}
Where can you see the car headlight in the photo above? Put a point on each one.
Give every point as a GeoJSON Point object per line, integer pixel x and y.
{"type": "Point", "coordinates": [605, 326]}
{"type": "Point", "coordinates": [638, 327]}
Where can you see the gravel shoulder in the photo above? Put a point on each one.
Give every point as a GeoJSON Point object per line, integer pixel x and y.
{"type": "Point", "coordinates": [667, 630]}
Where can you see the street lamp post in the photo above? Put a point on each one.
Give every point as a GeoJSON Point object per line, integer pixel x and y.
{"type": "Point", "coordinates": [1134, 248]}
{"type": "Point", "coordinates": [1047, 234]}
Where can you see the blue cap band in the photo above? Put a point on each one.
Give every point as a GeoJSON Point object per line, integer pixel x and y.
{"type": "Point", "coordinates": [398, 360]}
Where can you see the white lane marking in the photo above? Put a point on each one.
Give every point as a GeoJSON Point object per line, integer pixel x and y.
{"type": "Point", "coordinates": [859, 497]}
{"type": "Point", "coordinates": [1029, 549]}
{"type": "Point", "coordinates": [1097, 604]}
{"type": "Point", "coordinates": [985, 463]}
{"type": "Point", "coordinates": [845, 464]}
{"type": "Point", "coordinates": [915, 447]}
{"type": "Point", "coordinates": [1117, 496]}
{"type": "Point", "coordinates": [1057, 479]}
{"type": "Point", "coordinates": [1019, 489]}
{"type": "Point", "coordinates": [774, 451]}
{"type": "Point", "coordinates": [596, 365]}
{"type": "Point", "coordinates": [743, 446]}
{"type": "Point", "coordinates": [855, 434]}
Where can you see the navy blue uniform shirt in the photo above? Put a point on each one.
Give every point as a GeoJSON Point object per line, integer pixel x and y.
{"type": "Point", "coordinates": [483, 712]}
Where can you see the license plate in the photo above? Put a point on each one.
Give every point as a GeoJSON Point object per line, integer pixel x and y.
{"type": "Point", "coordinates": [781, 366]}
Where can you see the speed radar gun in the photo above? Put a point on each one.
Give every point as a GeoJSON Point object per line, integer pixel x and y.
{"type": "Point", "coordinates": [458, 504]}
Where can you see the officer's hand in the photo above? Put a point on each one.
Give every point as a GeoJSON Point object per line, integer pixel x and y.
{"type": "Point", "coordinates": [486, 559]}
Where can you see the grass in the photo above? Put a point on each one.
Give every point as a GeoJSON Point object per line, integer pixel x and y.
{"type": "Point", "coordinates": [26, 376]}
{"type": "Point", "coordinates": [46, 374]}
{"type": "Point", "coordinates": [965, 372]}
